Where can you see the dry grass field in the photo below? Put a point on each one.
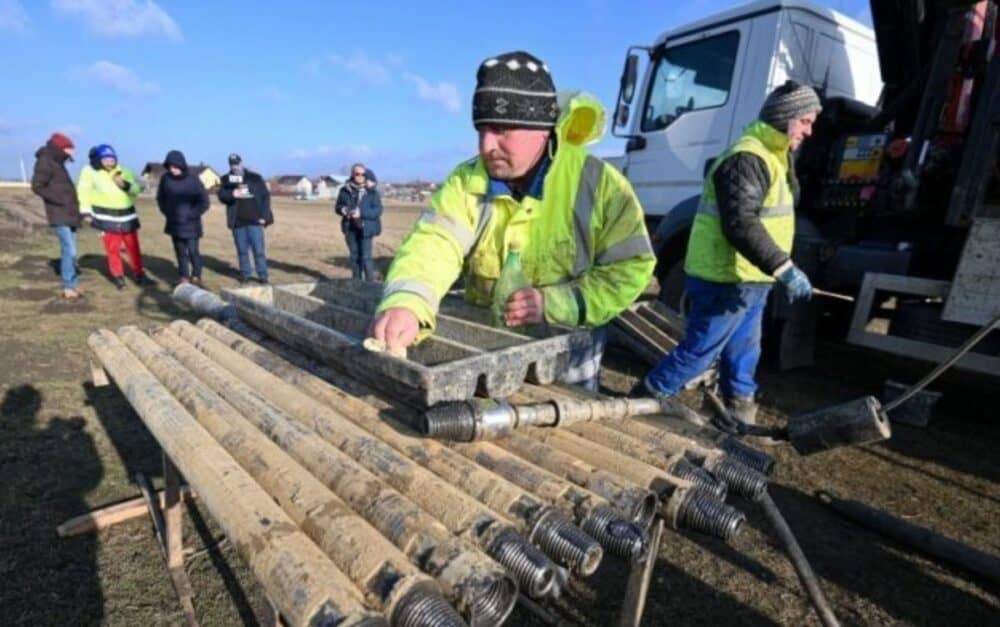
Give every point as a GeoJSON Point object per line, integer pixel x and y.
{"type": "Point", "coordinates": [66, 447]}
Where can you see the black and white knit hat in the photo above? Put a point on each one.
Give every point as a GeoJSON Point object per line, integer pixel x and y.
{"type": "Point", "coordinates": [515, 89]}
{"type": "Point", "coordinates": [789, 102]}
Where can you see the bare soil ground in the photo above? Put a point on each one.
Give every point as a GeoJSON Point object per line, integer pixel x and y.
{"type": "Point", "coordinates": [66, 447]}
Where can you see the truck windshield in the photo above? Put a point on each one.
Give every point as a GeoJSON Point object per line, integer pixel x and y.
{"type": "Point", "coordinates": [690, 77]}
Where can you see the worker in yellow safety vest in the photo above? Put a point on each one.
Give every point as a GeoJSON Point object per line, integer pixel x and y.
{"type": "Point", "coordinates": [574, 218]}
{"type": "Point", "coordinates": [741, 241]}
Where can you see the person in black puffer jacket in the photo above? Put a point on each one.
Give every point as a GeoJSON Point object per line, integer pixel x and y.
{"type": "Point", "coordinates": [360, 208]}
{"type": "Point", "coordinates": [182, 199]}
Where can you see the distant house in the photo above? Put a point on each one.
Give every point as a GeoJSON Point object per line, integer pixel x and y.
{"type": "Point", "coordinates": [291, 185]}
{"type": "Point", "coordinates": [328, 186]}
{"type": "Point", "coordinates": [153, 172]}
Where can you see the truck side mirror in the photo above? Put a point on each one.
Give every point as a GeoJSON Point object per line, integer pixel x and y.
{"type": "Point", "coordinates": [629, 74]}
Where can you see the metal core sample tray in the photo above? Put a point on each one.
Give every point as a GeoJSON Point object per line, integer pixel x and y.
{"type": "Point", "coordinates": [329, 319]}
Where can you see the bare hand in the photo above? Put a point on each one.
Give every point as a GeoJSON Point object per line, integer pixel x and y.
{"type": "Point", "coordinates": [396, 326]}
{"type": "Point", "coordinates": [119, 180]}
{"type": "Point", "coordinates": [525, 306]}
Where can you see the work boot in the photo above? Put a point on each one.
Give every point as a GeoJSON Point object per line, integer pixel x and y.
{"type": "Point", "coordinates": [743, 408]}
{"type": "Point", "coordinates": [119, 282]}
{"type": "Point", "coordinates": [142, 279]}
{"type": "Point", "coordinates": [197, 281]}
{"type": "Point", "coordinates": [671, 405]}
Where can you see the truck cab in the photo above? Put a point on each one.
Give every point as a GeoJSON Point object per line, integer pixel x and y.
{"type": "Point", "coordinates": [704, 82]}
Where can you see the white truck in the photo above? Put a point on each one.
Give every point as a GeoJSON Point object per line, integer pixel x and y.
{"type": "Point", "coordinates": [901, 168]}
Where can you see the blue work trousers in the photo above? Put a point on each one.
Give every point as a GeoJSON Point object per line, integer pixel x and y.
{"type": "Point", "coordinates": [247, 238]}
{"type": "Point", "coordinates": [67, 256]}
{"type": "Point", "coordinates": [724, 324]}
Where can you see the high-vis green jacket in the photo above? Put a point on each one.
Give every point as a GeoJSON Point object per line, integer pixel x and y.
{"type": "Point", "coordinates": [111, 207]}
{"type": "Point", "coordinates": [583, 242]}
{"type": "Point", "coordinates": [710, 256]}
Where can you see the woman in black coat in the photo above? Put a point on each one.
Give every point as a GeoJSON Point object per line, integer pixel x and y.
{"type": "Point", "coordinates": [360, 208]}
{"type": "Point", "coordinates": [182, 200]}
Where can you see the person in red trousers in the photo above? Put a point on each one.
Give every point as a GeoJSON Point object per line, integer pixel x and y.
{"type": "Point", "coordinates": [107, 193]}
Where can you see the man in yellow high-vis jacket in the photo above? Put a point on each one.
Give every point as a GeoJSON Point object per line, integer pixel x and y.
{"type": "Point", "coordinates": [741, 241]}
{"type": "Point", "coordinates": [575, 219]}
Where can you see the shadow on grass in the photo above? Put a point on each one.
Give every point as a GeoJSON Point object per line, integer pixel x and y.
{"type": "Point", "coordinates": [48, 466]}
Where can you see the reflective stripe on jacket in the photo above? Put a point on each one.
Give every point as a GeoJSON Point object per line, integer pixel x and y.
{"type": "Point", "coordinates": [710, 256]}
{"type": "Point", "coordinates": [111, 207]}
{"type": "Point", "coordinates": [583, 243]}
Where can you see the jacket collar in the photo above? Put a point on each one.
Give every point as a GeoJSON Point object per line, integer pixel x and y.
{"type": "Point", "coordinates": [773, 139]}
{"type": "Point", "coordinates": [496, 187]}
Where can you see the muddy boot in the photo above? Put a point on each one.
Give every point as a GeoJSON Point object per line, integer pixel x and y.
{"type": "Point", "coordinates": [672, 406]}
{"type": "Point", "coordinates": [119, 283]}
{"type": "Point", "coordinates": [745, 410]}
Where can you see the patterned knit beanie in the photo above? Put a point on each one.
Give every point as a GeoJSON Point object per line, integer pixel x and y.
{"type": "Point", "coordinates": [515, 89]}
{"type": "Point", "coordinates": [789, 102]}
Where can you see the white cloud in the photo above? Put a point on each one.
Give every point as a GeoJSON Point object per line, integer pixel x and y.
{"type": "Point", "coordinates": [121, 79]}
{"type": "Point", "coordinates": [360, 64]}
{"type": "Point", "coordinates": [340, 152]}
{"type": "Point", "coordinates": [122, 18]}
{"type": "Point", "coordinates": [274, 94]}
{"type": "Point", "coordinates": [443, 93]}
{"type": "Point", "coordinates": [13, 17]}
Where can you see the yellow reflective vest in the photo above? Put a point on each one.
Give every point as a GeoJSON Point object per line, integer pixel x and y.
{"type": "Point", "coordinates": [710, 256]}
{"type": "Point", "coordinates": [583, 242]}
{"type": "Point", "coordinates": [111, 207]}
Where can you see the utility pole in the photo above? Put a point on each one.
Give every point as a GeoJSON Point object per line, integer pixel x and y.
{"type": "Point", "coordinates": [24, 173]}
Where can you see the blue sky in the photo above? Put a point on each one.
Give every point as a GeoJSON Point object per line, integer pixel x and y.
{"type": "Point", "coordinates": [301, 87]}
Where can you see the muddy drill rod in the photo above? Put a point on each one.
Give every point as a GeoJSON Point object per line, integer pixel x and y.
{"type": "Point", "coordinates": [406, 595]}
{"type": "Point", "coordinates": [482, 591]}
{"type": "Point", "coordinates": [534, 518]}
{"type": "Point", "coordinates": [304, 585]}
{"type": "Point", "coordinates": [458, 512]}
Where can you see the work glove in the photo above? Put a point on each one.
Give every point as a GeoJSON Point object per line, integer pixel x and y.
{"type": "Point", "coordinates": [797, 285]}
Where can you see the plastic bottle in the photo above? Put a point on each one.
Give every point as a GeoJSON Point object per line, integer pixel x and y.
{"type": "Point", "coordinates": [511, 279]}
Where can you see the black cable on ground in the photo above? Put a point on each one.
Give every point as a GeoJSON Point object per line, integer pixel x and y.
{"type": "Point", "coordinates": [799, 561]}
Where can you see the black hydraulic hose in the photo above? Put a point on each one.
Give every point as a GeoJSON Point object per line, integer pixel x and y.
{"type": "Point", "coordinates": [799, 561]}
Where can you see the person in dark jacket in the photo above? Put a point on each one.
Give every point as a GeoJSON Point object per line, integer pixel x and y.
{"type": "Point", "coordinates": [182, 199]}
{"type": "Point", "coordinates": [248, 212]}
{"type": "Point", "coordinates": [740, 245]}
{"type": "Point", "coordinates": [360, 208]}
{"type": "Point", "coordinates": [52, 182]}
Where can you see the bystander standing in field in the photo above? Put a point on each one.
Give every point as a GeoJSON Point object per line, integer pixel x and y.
{"type": "Point", "coordinates": [360, 208]}
{"type": "Point", "coordinates": [106, 192]}
{"type": "Point", "coordinates": [52, 182]}
{"type": "Point", "coordinates": [182, 199]}
{"type": "Point", "coordinates": [248, 212]}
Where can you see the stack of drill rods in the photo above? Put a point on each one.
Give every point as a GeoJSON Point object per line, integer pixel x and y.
{"type": "Point", "coordinates": [637, 503]}
{"type": "Point", "coordinates": [458, 511]}
{"type": "Point", "coordinates": [479, 587]}
{"type": "Point", "coordinates": [300, 580]}
{"type": "Point", "coordinates": [662, 448]}
{"type": "Point", "coordinates": [383, 573]}
{"type": "Point", "coordinates": [389, 423]}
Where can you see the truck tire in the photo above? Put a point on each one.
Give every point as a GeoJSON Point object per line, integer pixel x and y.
{"type": "Point", "coordinates": [922, 322]}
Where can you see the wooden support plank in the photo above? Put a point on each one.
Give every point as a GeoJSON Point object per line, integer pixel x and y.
{"type": "Point", "coordinates": [174, 514]}
{"type": "Point", "coordinates": [108, 515]}
{"type": "Point", "coordinates": [97, 375]}
{"type": "Point", "coordinates": [638, 582]}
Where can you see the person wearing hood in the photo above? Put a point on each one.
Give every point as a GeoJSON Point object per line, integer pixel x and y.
{"type": "Point", "coordinates": [534, 187]}
{"type": "Point", "coordinates": [740, 244]}
{"type": "Point", "coordinates": [248, 213]}
{"type": "Point", "coordinates": [51, 181]}
{"type": "Point", "coordinates": [107, 192]}
{"type": "Point", "coordinates": [360, 208]}
{"type": "Point", "coordinates": [182, 199]}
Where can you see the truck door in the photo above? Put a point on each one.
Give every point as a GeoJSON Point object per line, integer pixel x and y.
{"type": "Point", "coordinates": [685, 114]}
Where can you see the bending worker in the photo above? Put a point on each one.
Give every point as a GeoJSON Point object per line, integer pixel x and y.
{"type": "Point", "coordinates": [574, 218]}
{"type": "Point", "coordinates": [740, 243]}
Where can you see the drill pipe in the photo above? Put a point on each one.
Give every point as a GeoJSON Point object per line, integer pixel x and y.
{"type": "Point", "coordinates": [304, 585]}
{"type": "Point", "coordinates": [486, 419]}
{"type": "Point", "coordinates": [481, 590]}
{"type": "Point", "coordinates": [458, 512]}
{"type": "Point", "coordinates": [389, 580]}
{"type": "Point", "coordinates": [685, 508]}
{"type": "Point", "coordinates": [390, 424]}
{"type": "Point", "coordinates": [744, 481]}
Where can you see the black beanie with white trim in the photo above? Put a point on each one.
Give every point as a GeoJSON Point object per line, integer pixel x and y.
{"type": "Point", "coordinates": [515, 89]}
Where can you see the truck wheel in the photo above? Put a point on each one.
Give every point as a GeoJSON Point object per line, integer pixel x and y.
{"type": "Point", "coordinates": [922, 322]}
